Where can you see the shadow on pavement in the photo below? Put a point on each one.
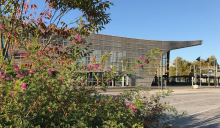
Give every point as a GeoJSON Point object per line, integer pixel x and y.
{"type": "Point", "coordinates": [200, 120]}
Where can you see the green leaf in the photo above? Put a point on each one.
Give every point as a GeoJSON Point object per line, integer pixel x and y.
{"type": "Point", "coordinates": [109, 99]}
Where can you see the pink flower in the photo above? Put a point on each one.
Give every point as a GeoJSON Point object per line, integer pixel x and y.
{"type": "Point", "coordinates": [50, 71]}
{"type": "Point", "coordinates": [27, 72]}
{"type": "Point", "coordinates": [108, 80]}
{"type": "Point", "coordinates": [46, 64]}
{"type": "Point", "coordinates": [42, 80]}
{"type": "Point", "coordinates": [20, 74]}
{"type": "Point", "coordinates": [32, 71]}
{"type": "Point", "coordinates": [41, 58]}
{"type": "Point", "coordinates": [12, 93]}
{"type": "Point", "coordinates": [9, 34]}
{"type": "Point", "coordinates": [134, 111]}
{"type": "Point", "coordinates": [16, 67]}
{"type": "Point", "coordinates": [41, 68]}
{"type": "Point", "coordinates": [137, 65]}
{"type": "Point", "coordinates": [89, 66]}
{"type": "Point", "coordinates": [7, 77]}
{"type": "Point", "coordinates": [95, 67]}
{"type": "Point", "coordinates": [94, 58]}
{"type": "Point", "coordinates": [81, 82]}
{"type": "Point", "coordinates": [145, 59]}
{"type": "Point", "coordinates": [23, 86]}
{"type": "Point", "coordinates": [15, 33]}
{"type": "Point", "coordinates": [143, 65]}
{"type": "Point", "coordinates": [50, 110]}
{"type": "Point", "coordinates": [83, 42]}
{"type": "Point", "coordinates": [110, 70]}
{"type": "Point", "coordinates": [15, 79]}
{"type": "Point", "coordinates": [77, 36]}
{"type": "Point", "coordinates": [74, 42]}
{"type": "Point", "coordinates": [2, 26]}
{"type": "Point", "coordinates": [21, 95]}
{"type": "Point", "coordinates": [80, 39]}
{"type": "Point", "coordinates": [139, 57]}
{"type": "Point", "coordinates": [39, 53]}
{"type": "Point", "coordinates": [132, 106]}
{"type": "Point", "coordinates": [2, 74]}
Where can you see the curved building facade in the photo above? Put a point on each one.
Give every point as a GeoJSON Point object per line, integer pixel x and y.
{"type": "Point", "coordinates": [124, 50]}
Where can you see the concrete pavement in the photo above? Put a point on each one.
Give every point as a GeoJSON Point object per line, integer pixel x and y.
{"type": "Point", "coordinates": [202, 105]}
{"type": "Point", "coordinates": [177, 89]}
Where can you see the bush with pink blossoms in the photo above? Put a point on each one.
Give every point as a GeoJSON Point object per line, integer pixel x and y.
{"type": "Point", "coordinates": [132, 106]}
{"type": "Point", "coordinates": [31, 96]}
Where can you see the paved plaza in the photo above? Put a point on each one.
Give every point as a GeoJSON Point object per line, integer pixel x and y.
{"type": "Point", "coordinates": [202, 105]}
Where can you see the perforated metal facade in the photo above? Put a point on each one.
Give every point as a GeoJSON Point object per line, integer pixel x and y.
{"type": "Point", "coordinates": [125, 50]}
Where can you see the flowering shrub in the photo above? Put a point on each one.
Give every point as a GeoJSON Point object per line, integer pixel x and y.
{"type": "Point", "coordinates": [132, 106]}
{"type": "Point", "coordinates": [31, 96]}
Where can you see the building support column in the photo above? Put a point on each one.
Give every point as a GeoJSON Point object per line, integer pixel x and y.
{"type": "Point", "coordinates": [123, 80]}
{"type": "Point", "coordinates": [168, 66]}
{"type": "Point", "coordinates": [126, 80]}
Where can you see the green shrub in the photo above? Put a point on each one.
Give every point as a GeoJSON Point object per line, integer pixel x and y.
{"type": "Point", "coordinates": [31, 96]}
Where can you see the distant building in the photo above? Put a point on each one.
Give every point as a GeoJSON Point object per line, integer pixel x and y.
{"type": "Point", "coordinates": [123, 50]}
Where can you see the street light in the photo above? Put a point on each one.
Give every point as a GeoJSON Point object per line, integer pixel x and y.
{"type": "Point", "coordinates": [161, 71]}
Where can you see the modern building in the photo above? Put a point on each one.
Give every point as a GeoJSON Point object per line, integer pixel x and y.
{"type": "Point", "coordinates": [124, 50]}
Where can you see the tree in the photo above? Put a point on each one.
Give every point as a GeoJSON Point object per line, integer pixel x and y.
{"type": "Point", "coordinates": [17, 24]}
{"type": "Point", "coordinates": [183, 66]}
{"type": "Point", "coordinates": [33, 97]}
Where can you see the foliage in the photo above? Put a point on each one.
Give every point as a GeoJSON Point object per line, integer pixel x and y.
{"type": "Point", "coordinates": [150, 108]}
{"type": "Point", "coordinates": [31, 96]}
{"type": "Point", "coordinates": [94, 11]}
{"type": "Point", "coordinates": [183, 66]}
{"type": "Point", "coordinates": [34, 98]}
{"type": "Point", "coordinates": [18, 23]}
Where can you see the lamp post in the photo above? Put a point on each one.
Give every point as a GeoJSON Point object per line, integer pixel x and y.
{"type": "Point", "coordinates": [200, 73]}
{"type": "Point", "coordinates": [215, 74]}
{"type": "Point", "coordinates": [208, 75]}
{"type": "Point", "coordinates": [190, 70]}
{"type": "Point", "coordinates": [195, 76]}
{"type": "Point", "coordinates": [161, 71]}
{"type": "Point", "coordinates": [176, 69]}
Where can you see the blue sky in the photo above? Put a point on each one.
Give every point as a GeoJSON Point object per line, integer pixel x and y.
{"type": "Point", "coordinates": [179, 20]}
{"type": "Point", "coordinates": [169, 20]}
